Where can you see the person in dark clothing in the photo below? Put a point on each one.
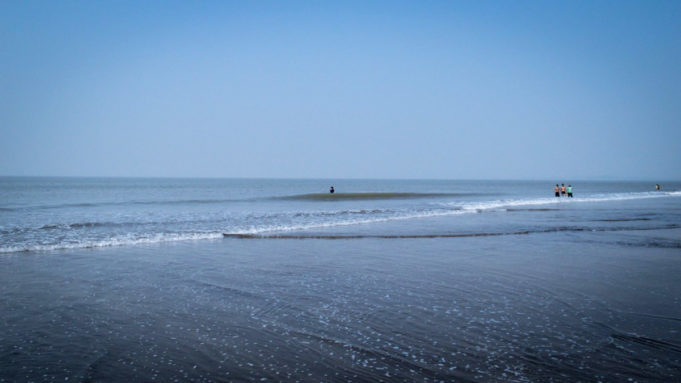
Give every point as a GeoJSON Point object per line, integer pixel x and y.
{"type": "Point", "coordinates": [331, 190]}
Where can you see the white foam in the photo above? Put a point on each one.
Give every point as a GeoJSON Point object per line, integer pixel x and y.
{"type": "Point", "coordinates": [497, 204]}
{"type": "Point", "coordinates": [322, 225]}
{"type": "Point", "coordinates": [456, 208]}
{"type": "Point", "coordinates": [115, 241]}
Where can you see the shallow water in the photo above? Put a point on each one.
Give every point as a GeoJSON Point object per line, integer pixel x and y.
{"type": "Point", "coordinates": [42, 214]}
{"type": "Point", "coordinates": [474, 288]}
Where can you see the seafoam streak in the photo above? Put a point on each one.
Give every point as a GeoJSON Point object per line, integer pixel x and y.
{"type": "Point", "coordinates": [455, 208]}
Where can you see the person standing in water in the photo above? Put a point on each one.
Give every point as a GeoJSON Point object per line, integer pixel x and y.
{"type": "Point", "coordinates": [562, 189]}
{"type": "Point", "coordinates": [331, 190]}
{"type": "Point", "coordinates": [557, 190]}
{"type": "Point", "coordinates": [657, 187]}
{"type": "Point", "coordinates": [569, 191]}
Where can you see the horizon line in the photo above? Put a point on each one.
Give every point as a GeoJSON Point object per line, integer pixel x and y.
{"type": "Point", "coordinates": [590, 179]}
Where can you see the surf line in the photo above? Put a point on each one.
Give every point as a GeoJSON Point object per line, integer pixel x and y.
{"type": "Point", "coordinates": [427, 236]}
{"type": "Point", "coordinates": [386, 236]}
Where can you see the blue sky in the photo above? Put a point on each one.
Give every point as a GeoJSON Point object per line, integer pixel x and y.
{"type": "Point", "coordinates": [423, 89]}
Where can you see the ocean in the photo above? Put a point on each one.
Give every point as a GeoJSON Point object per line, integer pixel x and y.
{"type": "Point", "coordinates": [132, 279]}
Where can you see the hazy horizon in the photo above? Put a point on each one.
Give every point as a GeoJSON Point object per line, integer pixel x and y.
{"type": "Point", "coordinates": [348, 90]}
{"type": "Point", "coordinates": [652, 180]}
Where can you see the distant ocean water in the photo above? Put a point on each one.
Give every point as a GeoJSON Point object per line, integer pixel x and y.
{"type": "Point", "coordinates": [42, 214]}
{"type": "Point", "coordinates": [213, 280]}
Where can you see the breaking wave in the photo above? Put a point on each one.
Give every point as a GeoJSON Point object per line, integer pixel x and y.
{"type": "Point", "coordinates": [510, 204]}
{"type": "Point", "coordinates": [456, 235]}
{"type": "Point", "coordinates": [126, 240]}
{"type": "Point", "coordinates": [455, 208]}
{"type": "Point", "coordinates": [106, 233]}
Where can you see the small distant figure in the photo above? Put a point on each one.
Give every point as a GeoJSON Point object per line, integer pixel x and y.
{"type": "Point", "coordinates": [657, 187]}
{"type": "Point", "coordinates": [557, 190]}
{"type": "Point", "coordinates": [569, 191]}
{"type": "Point", "coordinates": [562, 189]}
{"type": "Point", "coordinates": [331, 190]}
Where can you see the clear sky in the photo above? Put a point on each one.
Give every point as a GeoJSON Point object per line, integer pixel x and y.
{"type": "Point", "coordinates": [424, 89]}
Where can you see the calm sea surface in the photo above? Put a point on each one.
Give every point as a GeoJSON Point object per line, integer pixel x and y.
{"type": "Point", "coordinates": [272, 280]}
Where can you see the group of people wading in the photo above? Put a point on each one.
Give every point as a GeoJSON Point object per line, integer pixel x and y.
{"type": "Point", "coordinates": [562, 190]}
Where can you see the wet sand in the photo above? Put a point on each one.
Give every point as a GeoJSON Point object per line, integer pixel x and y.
{"type": "Point", "coordinates": [561, 306]}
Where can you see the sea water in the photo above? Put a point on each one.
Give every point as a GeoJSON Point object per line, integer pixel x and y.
{"type": "Point", "coordinates": [39, 214]}
{"type": "Point", "coordinates": [250, 280]}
